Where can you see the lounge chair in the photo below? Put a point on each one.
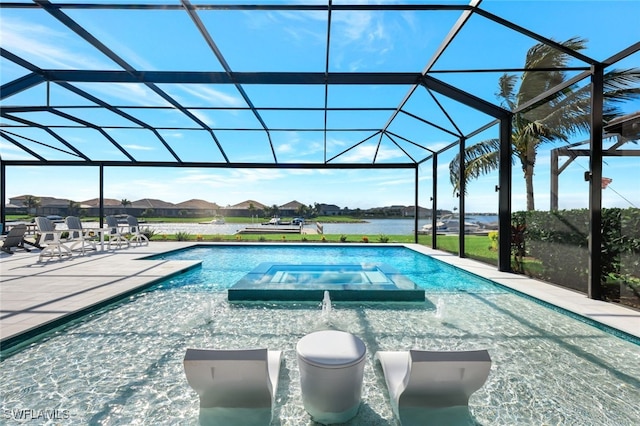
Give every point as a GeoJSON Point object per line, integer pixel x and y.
{"type": "Point", "coordinates": [428, 387]}
{"type": "Point", "coordinates": [78, 235]}
{"type": "Point", "coordinates": [14, 239]}
{"type": "Point", "coordinates": [236, 387]}
{"type": "Point", "coordinates": [134, 229]}
{"type": "Point", "coordinates": [50, 239]}
{"type": "Point", "coordinates": [115, 237]}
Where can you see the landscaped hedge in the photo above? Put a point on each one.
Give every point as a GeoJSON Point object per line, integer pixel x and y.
{"type": "Point", "coordinates": [559, 240]}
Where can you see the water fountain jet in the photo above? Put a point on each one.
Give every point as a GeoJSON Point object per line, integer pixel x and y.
{"type": "Point", "coordinates": [440, 308]}
{"type": "Point", "coordinates": [326, 306]}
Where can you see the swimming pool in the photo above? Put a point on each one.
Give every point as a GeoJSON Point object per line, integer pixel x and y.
{"type": "Point", "coordinates": [124, 365]}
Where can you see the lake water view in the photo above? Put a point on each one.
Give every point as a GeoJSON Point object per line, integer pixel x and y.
{"type": "Point", "coordinates": [370, 227]}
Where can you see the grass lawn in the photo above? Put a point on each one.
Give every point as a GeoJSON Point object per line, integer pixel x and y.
{"type": "Point", "coordinates": [291, 238]}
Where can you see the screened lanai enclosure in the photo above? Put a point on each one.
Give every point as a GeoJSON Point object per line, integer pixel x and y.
{"type": "Point", "coordinates": [528, 110]}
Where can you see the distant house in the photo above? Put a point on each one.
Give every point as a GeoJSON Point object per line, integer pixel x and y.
{"type": "Point", "coordinates": [246, 208]}
{"type": "Point", "coordinates": [160, 208]}
{"type": "Point", "coordinates": [139, 208]}
{"type": "Point", "coordinates": [136, 208]}
{"type": "Point", "coordinates": [111, 206]}
{"type": "Point", "coordinates": [108, 202]}
{"type": "Point", "coordinates": [395, 210]}
{"type": "Point", "coordinates": [47, 205]}
{"type": "Point", "coordinates": [328, 210]}
{"type": "Point", "coordinates": [409, 211]}
{"type": "Point", "coordinates": [291, 208]}
{"type": "Point", "coordinates": [199, 208]}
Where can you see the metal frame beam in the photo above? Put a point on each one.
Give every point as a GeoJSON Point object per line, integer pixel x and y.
{"type": "Point", "coordinates": [18, 85]}
{"type": "Point", "coordinates": [214, 165]}
{"type": "Point", "coordinates": [594, 285]}
{"type": "Point", "coordinates": [504, 196]}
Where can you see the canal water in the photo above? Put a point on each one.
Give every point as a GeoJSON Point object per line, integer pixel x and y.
{"type": "Point", "coordinates": [368, 228]}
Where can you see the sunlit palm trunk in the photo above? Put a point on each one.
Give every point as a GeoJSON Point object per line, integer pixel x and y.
{"type": "Point", "coordinates": [528, 163]}
{"type": "Point", "coordinates": [528, 178]}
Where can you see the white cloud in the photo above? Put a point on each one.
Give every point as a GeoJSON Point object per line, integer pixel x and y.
{"type": "Point", "coordinates": [204, 117]}
{"type": "Point", "coordinates": [10, 151]}
{"type": "Point", "coordinates": [211, 95]}
{"type": "Point", "coordinates": [357, 33]}
{"type": "Point", "coordinates": [46, 47]}
{"type": "Point", "coordinates": [130, 93]}
{"type": "Point", "coordinates": [284, 148]}
{"type": "Point", "coordinates": [369, 152]}
{"type": "Point", "coordinates": [138, 147]}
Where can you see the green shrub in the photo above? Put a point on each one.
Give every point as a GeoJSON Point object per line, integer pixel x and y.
{"type": "Point", "coordinates": [148, 232]}
{"type": "Point", "coordinates": [343, 238]}
{"type": "Point", "coordinates": [383, 238]}
{"type": "Point", "coordinates": [493, 237]}
{"type": "Point", "coordinates": [183, 236]}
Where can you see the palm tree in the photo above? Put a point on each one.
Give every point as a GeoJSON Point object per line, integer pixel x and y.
{"type": "Point", "coordinates": [566, 114]}
{"type": "Point", "coordinates": [32, 203]}
{"type": "Point", "coordinates": [73, 208]}
{"type": "Point", "coordinates": [302, 211]}
{"type": "Point", "coordinates": [252, 209]}
{"type": "Point", "coordinates": [272, 211]}
{"type": "Point", "coordinates": [125, 203]}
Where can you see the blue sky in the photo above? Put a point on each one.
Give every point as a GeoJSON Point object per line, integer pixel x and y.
{"type": "Point", "coordinates": [288, 41]}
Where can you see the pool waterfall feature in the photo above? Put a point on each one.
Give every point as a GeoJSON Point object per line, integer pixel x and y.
{"type": "Point", "coordinates": [547, 368]}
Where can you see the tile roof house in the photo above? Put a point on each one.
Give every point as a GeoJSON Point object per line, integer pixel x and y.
{"type": "Point", "coordinates": [291, 208]}
{"type": "Point", "coordinates": [328, 210]}
{"type": "Point", "coordinates": [246, 208]}
{"type": "Point", "coordinates": [195, 203]}
{"type": "Point", "coordinates": [95, 202]}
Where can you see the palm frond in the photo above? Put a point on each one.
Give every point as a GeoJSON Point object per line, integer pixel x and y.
{"type": "Point", "coordinates": [506, 90]}
{"type": "Point", "coordinates": [480, 159]}
{"type": "Point", "coordinates": [544, 56]}
{"type": "Point", "coordinates": [622, 85]}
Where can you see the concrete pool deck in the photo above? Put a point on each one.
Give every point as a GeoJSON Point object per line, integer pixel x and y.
{"type": "Point", "coordinates": [36, 294]}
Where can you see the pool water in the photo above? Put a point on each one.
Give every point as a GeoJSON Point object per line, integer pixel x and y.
{"type": "Point", "coordinates": [124, 365]}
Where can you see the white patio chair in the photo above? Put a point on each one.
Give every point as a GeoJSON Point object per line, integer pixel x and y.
{"type": "Point", "coordinates": [134, 229]}
{"type": "Point", "coordinates": [433, 387]}
{"type": "Point", "coordinates": [50, 239]}
{"type": "Point", "coordinates": [113, 232]}
{"type": "Point", "coordinates": [78, 235]}
{"type": "Point", "coordinates": [236, 387]}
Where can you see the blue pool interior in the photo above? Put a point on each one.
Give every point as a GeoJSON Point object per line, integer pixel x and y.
{"type": "Point", "coordinates": [307, 281]}
{"type": "Point", "coordinates": [123, 364]}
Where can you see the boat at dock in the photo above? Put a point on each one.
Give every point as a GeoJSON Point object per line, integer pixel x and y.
{"type": "Point", "coordinates": [215, 221]}
{"type": "Point", "coordinates": [450, 224]}
{"type": "Point", "coordinates": [275, 226]}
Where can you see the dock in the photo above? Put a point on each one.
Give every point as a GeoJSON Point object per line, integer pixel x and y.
{"type": "Point", "coordinates": [278, 229]}
{"type": "Point", "coordinates": [271, 229]}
